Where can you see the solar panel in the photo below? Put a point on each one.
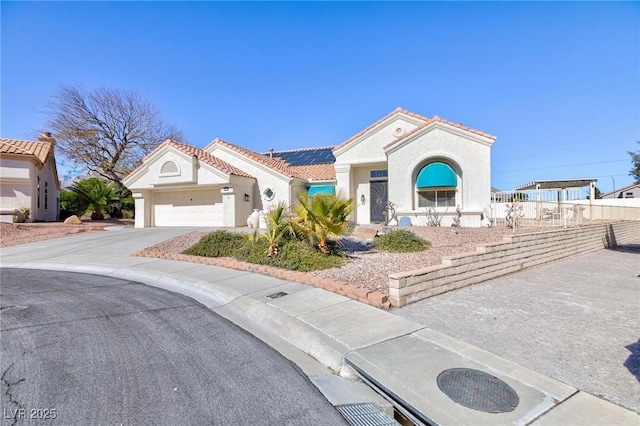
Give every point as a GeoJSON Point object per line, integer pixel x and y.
{"type": "Point", "coordinates": [305, 157]}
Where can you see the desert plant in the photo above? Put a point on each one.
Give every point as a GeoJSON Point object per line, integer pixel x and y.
{"type": "Point", "coordinates": [400, 241]}
{"type": "Point", "coordinates": [433, 217]}
{"type": "Point", "coordinates": [98, 194]}
{"type": "Point", "coordinates": [217, 244]}
{"type": "Point", "coordinates": [21, 215]}
{"type": "Point", "coordinates": [457, 218]}
{"type": "Point", "coordinates": [321, 217]}
{"type": "Point", "coordinates": [514, 214]}
{"type": "Point", "coordinates": [278, 228]}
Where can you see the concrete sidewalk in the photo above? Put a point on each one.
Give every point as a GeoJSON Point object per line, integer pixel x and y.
{"type": "Point", "coordinates": [325, 333]}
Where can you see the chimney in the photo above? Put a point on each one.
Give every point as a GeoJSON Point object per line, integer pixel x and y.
{"type": "Point", "coordinates": [46, 137]}
{"type": "Point", "coordinates": [270, 152]}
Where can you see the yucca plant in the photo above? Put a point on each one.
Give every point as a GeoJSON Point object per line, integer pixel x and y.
{"type": "Point", "coordinates": [97, 194]}
{"type": "Point", "coordinates": [322, 217]}
{"type": "Point", "coordinates": [278, 227]}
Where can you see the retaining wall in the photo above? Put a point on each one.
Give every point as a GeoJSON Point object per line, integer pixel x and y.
{"type": "Point", "coordinates": [514, 253]}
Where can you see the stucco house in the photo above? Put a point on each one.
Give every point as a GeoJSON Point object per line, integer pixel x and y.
{"type": "Point", "coordinates": [415, 162]}
{"type": "Point", "coordinates": [29, 178]}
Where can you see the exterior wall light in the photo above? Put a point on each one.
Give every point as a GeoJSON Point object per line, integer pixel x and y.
{"type": "Point", "coordinates": [362, 199]}
{"type": "Point", "coordinates": [246, 197]}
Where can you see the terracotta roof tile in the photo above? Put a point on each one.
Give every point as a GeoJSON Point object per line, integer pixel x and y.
{"type": "Point", "coordinates": [38, 150]}
{"type": "Point", "coordinates": [366, 129]}
{"type": "Point", "coordinates": [441, 120]}
{"type": "Point", "coordinates": [200, 154]}
{"type": "Point", "coordinates": [275, 163]}
{"type": "Point", "coordinates": [209, 159]}
{"type": "Point", "coordinates": [316, 171]}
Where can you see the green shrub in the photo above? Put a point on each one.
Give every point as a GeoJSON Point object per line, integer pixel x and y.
{"type": "Point", "coordinates": [400, 241]}
{"type": "Point", "coordinates": [300, 256]}
{"type": "Point", "coordinates": [217, 244]}
{"type": "Point", "coordinates": [294, 255]}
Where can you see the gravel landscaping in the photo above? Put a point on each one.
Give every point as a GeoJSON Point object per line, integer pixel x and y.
{"type": "Point", "coordinates": [370, 269]}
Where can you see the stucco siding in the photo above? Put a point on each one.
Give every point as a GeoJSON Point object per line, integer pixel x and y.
{"type": "Point", "coordinates": [370, 147]}
{"type": "Point", "coordinates": [15, 169]}
{"type": "Point", "coordinates": [469, 159]}
{"type": "Point", "coordinates": [265, 178]}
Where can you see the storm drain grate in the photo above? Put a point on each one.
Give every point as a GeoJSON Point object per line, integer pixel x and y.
{"type": "Point", "coordinates": [365, 415]}
{"type": "Point", "coordinates": [478, 390]}
{"type": "Point", "coordinates": [276, 295]}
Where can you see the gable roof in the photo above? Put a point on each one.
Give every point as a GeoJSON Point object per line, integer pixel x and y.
{"type": "Point", "coordinates": [201, 155]}
{"type": "Point", "coordinates": [39, 151]}
{"type": "Point", "coordinates": [366, 129]}
{"type": "Point", "coordinates": [437, 119]}
{"type": "Point", "coordinates": [277, 164]}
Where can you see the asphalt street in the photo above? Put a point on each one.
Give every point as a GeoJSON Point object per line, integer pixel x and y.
{"type": "Point", "coordinates": [82, 349]}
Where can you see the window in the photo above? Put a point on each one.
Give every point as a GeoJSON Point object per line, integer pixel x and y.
{"type": "Point", "coordinates": [38, 191]}
{"type": "Point", "coordinates": [169, 169]}
{"type": "Point", "coordinates": [436, 185]}
{"type": "Point", "coordinates": [46, 195]}
{"type": "Point", "coordinates": [437, 198]}
{"type": "Point", "coordinates": [377, 174]}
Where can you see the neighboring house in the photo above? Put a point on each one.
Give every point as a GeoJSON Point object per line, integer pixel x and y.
{"type": "Point", "coordinates": [630, 191]}
{"type": "Point", "coordinates": [29, 178]}
{"type": "Point", "coordinates": [415, 162]}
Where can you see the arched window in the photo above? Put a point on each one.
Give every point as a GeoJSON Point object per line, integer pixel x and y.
{"type": "Point", "coordinates": [436, 185]}
{"type": "Point", "coordinates": [169, 168]}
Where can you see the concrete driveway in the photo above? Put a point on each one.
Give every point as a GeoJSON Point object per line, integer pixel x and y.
{"type": "Point", "coordinates": [576, 320]}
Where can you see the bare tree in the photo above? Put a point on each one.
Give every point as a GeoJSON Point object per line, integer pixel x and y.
{"type": "Point", "coordinates": [106, 131]}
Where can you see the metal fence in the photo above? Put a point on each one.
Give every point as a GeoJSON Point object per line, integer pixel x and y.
{"type": "Point", "coordinates": [526, 209]}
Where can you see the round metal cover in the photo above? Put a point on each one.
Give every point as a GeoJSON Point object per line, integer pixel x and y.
{"type": "Point", "coordinates": [478, 390]}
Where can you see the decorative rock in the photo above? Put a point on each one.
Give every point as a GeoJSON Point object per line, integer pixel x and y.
{"type": "Point", "coordinates": [73, 220]}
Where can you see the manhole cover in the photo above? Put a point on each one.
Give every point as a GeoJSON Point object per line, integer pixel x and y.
{"type": "Point", "coordinates": [478, 390]}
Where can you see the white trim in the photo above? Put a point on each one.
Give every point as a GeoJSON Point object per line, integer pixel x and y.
{"type": "Point", "coordinates": [444, 127]}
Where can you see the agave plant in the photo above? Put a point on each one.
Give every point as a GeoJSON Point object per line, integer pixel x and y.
{"type": "Point", "coordinates": [97, 194]}
{"type": "Point", "coordinates": [322, 217]}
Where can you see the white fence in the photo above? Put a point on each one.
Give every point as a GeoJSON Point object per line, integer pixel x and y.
{"type": "Point", "coordinates": [554, 208]}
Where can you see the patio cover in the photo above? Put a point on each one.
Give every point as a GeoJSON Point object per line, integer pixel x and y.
{"type": "Point", "coordinates": [556, 184]}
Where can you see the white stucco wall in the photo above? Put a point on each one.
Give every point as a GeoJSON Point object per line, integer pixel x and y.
{"type": "Point", "coordinates": [48, 180]}
{"type": "Point", "coordinates": [470, 157]}
{"type": "Point", "coordinates": [369, 148]}
{"type": "Point", "coordinates": [265, 178]}
{"type": "Point", "coordinates": [18, 183]}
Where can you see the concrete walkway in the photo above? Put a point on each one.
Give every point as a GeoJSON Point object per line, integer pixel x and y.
{"type": "Point", "coordinates": [325, 333]}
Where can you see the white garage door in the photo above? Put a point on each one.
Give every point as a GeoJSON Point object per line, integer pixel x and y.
{"type": "Point", "coordinates": [188, 208]}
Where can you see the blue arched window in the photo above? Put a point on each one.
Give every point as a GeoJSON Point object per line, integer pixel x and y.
{"type": "Point", "coordinates": [436, 185]}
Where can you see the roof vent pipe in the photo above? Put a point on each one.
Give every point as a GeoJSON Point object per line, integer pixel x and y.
{"type": "Point", "coordinates": [270, 152]}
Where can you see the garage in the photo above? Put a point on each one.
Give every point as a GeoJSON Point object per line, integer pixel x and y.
{"type": "Point", "coordinates": [198, 207]}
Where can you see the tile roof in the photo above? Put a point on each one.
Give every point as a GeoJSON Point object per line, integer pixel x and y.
{"type": "Point", "coordinates": [38, 150]}
{"type": "Point", "coordinates": [366, 129]}
{"type": "Point", "coordinates": [200, 154]}
{"type": "Point", "coordinates": [316, 171]}
{"type": "Point", "coordinates": [426, 122]}
{"type": "Point", "coordinates": [274, 163]}
{"type": "Point", "coordinates": [440, 120]}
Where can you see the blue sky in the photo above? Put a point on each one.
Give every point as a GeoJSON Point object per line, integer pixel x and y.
{"type": "Point", "coordinates": [557, 83]}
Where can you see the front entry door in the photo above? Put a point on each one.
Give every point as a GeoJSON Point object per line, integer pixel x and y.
{"type": "Point", "coordinates": [378, 200]}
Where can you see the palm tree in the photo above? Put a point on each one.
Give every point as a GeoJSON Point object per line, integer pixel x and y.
{"type": "Point", "coordinates": [321, 217]}
{"type": "Point", "coordinates": [98, 194]}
